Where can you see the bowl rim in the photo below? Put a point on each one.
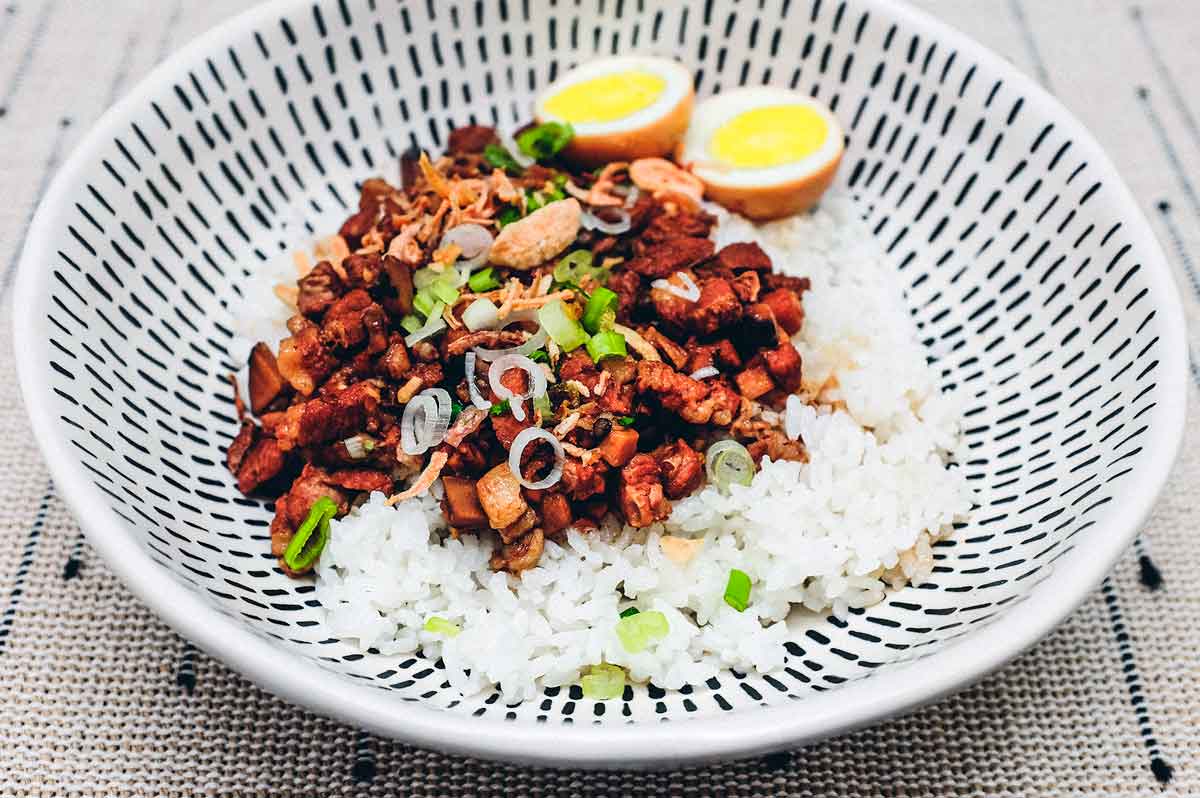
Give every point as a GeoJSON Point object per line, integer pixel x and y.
{"type": "Point", "coordinates": [641, 745]}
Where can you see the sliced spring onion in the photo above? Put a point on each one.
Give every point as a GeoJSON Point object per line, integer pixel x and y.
{"type": "Point", "coordinates": [444, 292]}
{"type": "Point", "coordinates": [507, 215]}
{"type": "Point", "coordinates": [591, 221]}
{"type": "Point", "coordinates": [572, 269]}
{"type": "Point", "coordinates": [483, 280]}
{"type": "Point", "coordinates": [358, 446]}
{"type": "Point", "coordinates": [689, 291]}
{"type": "Point", "coordinates": [511, 147]}
{"type": "Point", "coordinates": [539, 356]}
{"type": "Point", "coordinates": [625, 613]}
{"type": "Point", "coordinates": [704, 373]}
{"type": "Point", "coordinates": [561, 325]}
{"type": "Point", "coordinates": [729, 463]}
{"type": "Point", "coordinates": [524, 438]}
{"type": "Point", "coordinates": [625, 421]}
{"type": "Point", "coordinates": [545, 140]}
{"type": "Point", "coordinates": [737, 590]}
{"type": "Point", "coordinates": [499, 158]}
{"type": "Point", "coordinates": [423, 278]}
{"type": "Point", "coordinates": [474, 240]}
{"type": "Point", "coordinates": [568, 268]}
{"type": "Point", "coordinates": [537, 382]}
{"type": "Point", "coordinates": [601, 306]}
{"type": "Point", "coordinates": [603, 682]}
{"type": "Point", "coordinates": [423, 302]}
{"type": "Point", "coordinates": [606, 344]}
{"type": "Point", "coordinates": [477, 398]}
{"type": "Point", "coordinates": [440, 626]}
{"type": "Point", "coordinates": [638, 631]}
{"type": "Point", "coordinates": [433, 325]}
{"type": "Point", "coordinates": [534, 202]}
{"type": "Point", "coordinates": [541, 404]}
{"type": "Point", "coordinates": [410, 323]}
{"type": "Point", "coordinates": [304, 549]}
{"type": "Point", "coordinates": [499, 408]}
{"type": "Point", "coordinates": [482, 314]}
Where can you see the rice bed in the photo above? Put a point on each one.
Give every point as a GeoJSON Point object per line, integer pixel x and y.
{"type": "Point", "coordinates": [830, 534]}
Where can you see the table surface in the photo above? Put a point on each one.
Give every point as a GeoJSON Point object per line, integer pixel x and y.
{"type": "Point", "coordinates": [97, 696]}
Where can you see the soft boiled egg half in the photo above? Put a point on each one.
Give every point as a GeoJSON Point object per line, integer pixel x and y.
{"type": "Point", "coordinates": [621, 108]}
{"type": "Point", "coordinates": [763, 152]}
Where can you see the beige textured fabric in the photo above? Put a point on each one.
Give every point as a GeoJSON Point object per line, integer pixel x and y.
{"type": "Point", "coordinates": [99, 697]}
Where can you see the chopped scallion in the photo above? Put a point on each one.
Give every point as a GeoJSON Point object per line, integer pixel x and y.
{"type": "Point", "coordinates": [638, 631]}
{"type": "Point", "coordinates": [423, 278]}
{"type": "Point", "coordinates": [423, 302]}
{"type": "Point", "coordinates": [625, 613]}
{"type": "Point", "coordinates": [508, 214]}
{"type": "Point", "coordinates": [440, 626]}
{"type": "Point", "coordinates": [568, 268]}
{"type": "Point", "coordinates": [601, 308]}
{"type": "Point", "coordinates": [498, 157]}
{"type": "Point", "coordinates": [625, 421]}
{"type": "Point", "coordinates": [499, 407]}
{"type": "Point", "coordinates": [603, 682]}
{"type": "Point", "coordinates": [542, 405]}
{"type": "Point", "coordinates": [539, 356]}
{"type": "Point", "coordinates": [545, 140]}
{"type": "Point", "coordinates": [410, 323]}
{"type": "Point", "coordinates": [305, 547]}
{"type": "Point", "coordinates": [444, 292]}
{"type": "Point", "coordinates": [737, 590]}
{"type": "Point", "coordinates": [606, 344]}
{"type": "Point", "coordinates": [561, 325]}
{"type": "Point", "coordinates": [483, 280]}
{"type": "Point", "coordinates": [729, 463]}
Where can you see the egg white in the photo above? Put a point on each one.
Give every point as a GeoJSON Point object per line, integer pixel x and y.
{"type": "Point", "coordinates": [711, 114]}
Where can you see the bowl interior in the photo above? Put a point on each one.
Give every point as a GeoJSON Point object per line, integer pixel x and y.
{"type": "Point", "coordinates": [1024, 272]}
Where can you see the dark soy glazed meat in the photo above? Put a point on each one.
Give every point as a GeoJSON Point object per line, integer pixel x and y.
{"type": "Point", "coordinates": [329, 402]}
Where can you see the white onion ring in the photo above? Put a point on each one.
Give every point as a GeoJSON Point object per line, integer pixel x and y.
{"type": "Point", "coordinates": [482, 314]}
{"type": "Point", "coordinates": [432, 326]}
{"type": "Point", "coordinates": [523, 439]}
{"type": "Point", "coordinates": [444, 410]}
{"type": "Point", "coordinates": [537, 382]}
{"type": "Point", "coordinates": [591, 221]}
{"type": "Point", "coordinates": [477, 398]}
{"type": "Point", "coordinates": [536, 342]}
{"type": "Point", "coordinates": [704, 373]}
{"type": "Point", "coordinates": [474, 240]}
{"type": "Point", "coordinates": [411, 441]}
{"type": "Point", "coordinates": [510, 144]}
{"type": "Point", "coordinates": [690, 291]}
{"type": "Point", "coordinates": [632, 197]}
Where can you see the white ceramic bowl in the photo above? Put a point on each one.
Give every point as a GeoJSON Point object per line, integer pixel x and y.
{"type": "Point", "coordinates": [1030, 271]}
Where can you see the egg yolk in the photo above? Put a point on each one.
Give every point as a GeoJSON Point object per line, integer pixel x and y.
{"type": "Point", "coordinates": [769, 136]}
{"type": "Point", "coordinates": [607, 98]}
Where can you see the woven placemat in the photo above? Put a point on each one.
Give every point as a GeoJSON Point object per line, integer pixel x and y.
{"type": "Point", "coordinates": [97, 696]}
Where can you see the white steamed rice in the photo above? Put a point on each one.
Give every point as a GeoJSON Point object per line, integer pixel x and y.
{"type": "Point", "coordinates": [860, 516]}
